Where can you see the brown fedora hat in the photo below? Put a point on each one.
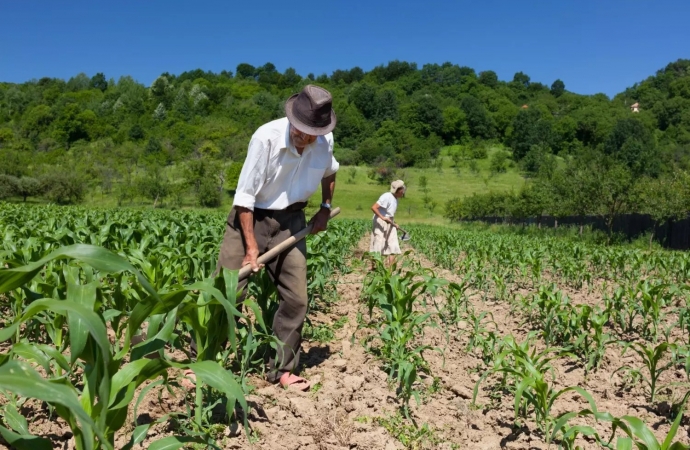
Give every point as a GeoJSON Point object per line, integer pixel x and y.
{"type": "Point", "coordinates": [311, 111]}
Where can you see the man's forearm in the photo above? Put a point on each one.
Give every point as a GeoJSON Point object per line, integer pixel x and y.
{"type": "Point", "coordinates": [327, 189]}
{"type": "Point", "coordinates": [247, 224]}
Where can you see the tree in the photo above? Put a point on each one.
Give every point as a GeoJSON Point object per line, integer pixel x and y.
{"type": "Point", "coordinates": [530, 129]}
{"type": "Point", "coordinates": [578, 187]}
{"type": "Point", "coordinates": [498, 163]}
{"type": "Point", "coordinates": [616, 195]}
{"type": "Point", "coordinates": [664, 198]}
{"type": "Point", "coordinates": [28, 187]}
{"type": "Point", "coordinates": [153, 146]}
{"type": "Point", "coordinates": [455, 128]}
{"type": "Point", "coordinates": [63, 187]}
{"type": "Point", "coordinates": [210, 192]}
{"type": "Point", "coordinates": [557, 88]}
{"type": "Point", "coordinates": [232, 175]}
{"type": "Point", "coordinates": [161, 91]}
{"type": "Point", "coordinates": [8, 186]}
{"type": "Point", "coordinates": [99, 82]}
{"type": "Point", "coordinates": [478, 120]}
{"type": "Point", "coordinates": [521, 79]}
{"type": "Point", "coordinates": [73, 124]}
{"type": "Point", "coordinates": [245, 70]}
{"type": "Point", "coordinates": [631, 143]}
{"type": "Point", "coordinates": [488, 78]}
{"type": "Point", "coordinates": [154, 185]}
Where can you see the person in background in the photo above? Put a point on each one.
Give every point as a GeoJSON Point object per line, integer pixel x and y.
{"type": "Point", "coordinates": [384, 235]}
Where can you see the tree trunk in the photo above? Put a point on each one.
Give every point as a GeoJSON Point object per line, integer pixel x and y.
{"type": "Point", "coordinates": [555, 223]}
{"type": "Point", "coordinates": [155, 202]}
{"type": "Point", "coordinates": [581, 227]}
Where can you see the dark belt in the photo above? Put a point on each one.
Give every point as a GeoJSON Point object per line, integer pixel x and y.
{"type": "Point", "coordinates": [295, 207]}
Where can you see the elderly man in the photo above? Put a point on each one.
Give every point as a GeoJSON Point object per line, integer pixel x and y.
{"type": "Point", "coordinates": [287, 160]}
{"type": "Point", "coordinates": [384, 234]}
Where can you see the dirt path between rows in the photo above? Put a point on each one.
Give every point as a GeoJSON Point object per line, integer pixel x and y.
{"type": "Point", "coordinates": [354, 391]}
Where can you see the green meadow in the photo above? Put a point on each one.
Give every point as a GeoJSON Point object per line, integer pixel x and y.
{"type": "Point", "coordinates": [356, 192]}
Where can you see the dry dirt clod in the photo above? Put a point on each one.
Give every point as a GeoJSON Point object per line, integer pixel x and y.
{"type": "Point", "coordinates": [340, 364]}
{"type": "Point", "coordinates": [461, 392]}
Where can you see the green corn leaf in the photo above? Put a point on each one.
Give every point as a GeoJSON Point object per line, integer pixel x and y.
{"type": "Point", "coordinates": [15, 420]}
{"type": "Point", "coordinates": [84, 295]}
{"type": "Point", "coordinates": [56, 356]}
{"type": "Point", "coordinates": [220, 379]}
{"type": "Point", "coordinates": [96, 257]}
{"type": "Point", "coordinates": [138, 436]}
{"type": "Point", "coordinates": [21, 379]}
{"type": "Point", "coordinates": [135, 374]}
{"type": "Point", "coordinates": [674, 428]}
{"type": "Point", "coordinates": [624, 443]}
{"type": "Point", "coordinates": [158, 341]}
{"type": "Point", "coordinates": [174, 442]}
{"type": "Point", "coordinates": [639, 430]}
{"type": "Point", "coordinates": [124, 376]}
{"type": "Point", "coordinates": [139, 433]}
{"type": "Point", "coordinates": [90, 319]}
{"type": "Point", "coordinates": [25, 441]}
{"type": "Point", "coordinates": [30, 352]}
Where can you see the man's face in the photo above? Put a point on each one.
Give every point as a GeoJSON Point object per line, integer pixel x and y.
{"type": "Point", "coordinates": [300, 139]}
{"type": "Point", "coordinates": [400, 193]}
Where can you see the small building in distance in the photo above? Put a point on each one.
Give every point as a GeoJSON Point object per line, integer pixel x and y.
{"type": "Point", "coordinates": [635, 107]}
{"type": "Point", "coordinates": [525, 106]}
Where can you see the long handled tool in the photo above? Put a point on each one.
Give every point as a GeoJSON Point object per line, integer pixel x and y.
{"type": "Point", "coordinates": [405, 236]}
{"type": "Point", "coordinates": [278, 249]}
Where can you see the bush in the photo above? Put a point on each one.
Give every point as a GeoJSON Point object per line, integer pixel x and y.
{"type": "Point", "coordinates": [210, 194]}
{"type": "Point", "coordinates": [8, 186]}
{"type": "Point", "coordinates": [28, 187]}
{"type": "Point", "coordinates": [498, 162]}
{"type": "Point", "coordinates": [232, 175]}
{"type": "Point", "coordinates": [383, 173]}
{"type": "Point", "coordinates": [63, 188]}
{"type": "Point", "coordinates": [346, 156]}
{"type": "Point", "coordinates": [536, 161]}
{"type": "Point", "coordinates": [478, 151]}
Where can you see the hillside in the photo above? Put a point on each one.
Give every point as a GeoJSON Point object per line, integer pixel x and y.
{"type": "Point", "coordinates": [184, 136]}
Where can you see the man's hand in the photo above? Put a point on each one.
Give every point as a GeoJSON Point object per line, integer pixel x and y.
{"type": "Point", "coordinates": [389, 221]}
{"type": "Point", "coordinates": [320, 221]}
{"type": "Point", "coordinates": [250, 258]}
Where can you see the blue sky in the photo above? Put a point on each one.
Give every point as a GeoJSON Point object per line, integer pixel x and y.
{"type": "Point", "coordinates": [592, 45]}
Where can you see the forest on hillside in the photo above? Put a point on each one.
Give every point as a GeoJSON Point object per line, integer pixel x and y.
{"type": "Point", "coordinates": [60, 138]}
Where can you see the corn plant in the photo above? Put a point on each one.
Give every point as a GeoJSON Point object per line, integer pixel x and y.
{"type": "Point", "coordinates": [527, 371]}
{"type": "Point", "coordinates": [652, 359]}
{"type": "Point", "coordinates": [636, 433]}
{"type": "Point", "coordinates": [96, 411]}
{"type": "Point", "coordinates": [592, 342]}
{"type": "Point", "coordinates": [394, 296]}
{"type": "Point", "coordinates": [482, 336]}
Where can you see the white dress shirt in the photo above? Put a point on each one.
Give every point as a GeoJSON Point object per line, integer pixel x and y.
{"type": "Point", "coordinates": [274, 175]}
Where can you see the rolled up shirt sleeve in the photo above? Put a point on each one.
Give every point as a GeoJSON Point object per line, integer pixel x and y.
{"type": "Point", "coordinates": [253, 174]}
{"type": "Point", "coordinates": [334, 164]}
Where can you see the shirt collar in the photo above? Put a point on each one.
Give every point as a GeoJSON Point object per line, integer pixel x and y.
{"type": "Point", "coordinates": [291, 148]}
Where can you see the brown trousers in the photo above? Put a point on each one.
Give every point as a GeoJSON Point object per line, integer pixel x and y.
{"type": "Point", "coordinates": [288, 272]}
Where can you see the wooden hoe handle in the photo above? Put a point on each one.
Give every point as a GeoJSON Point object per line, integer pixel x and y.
{"type": "Point", "coordinates": [278, 249]}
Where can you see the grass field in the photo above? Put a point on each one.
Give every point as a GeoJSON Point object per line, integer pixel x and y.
{"type": "Point", "coordinates": [355, 195]}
